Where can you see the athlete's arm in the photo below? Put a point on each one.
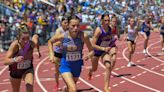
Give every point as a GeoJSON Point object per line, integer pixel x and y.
{"type": "Point", "coordinates": [52, 41]}
{"type": "Point", "coordinates": [95, 38]}
{"type": "Point", "coordinates": [86, 40]}
{"type": "Point", "coordinates": [9, 59]}
{"type": "Point", "coordinates": [35, 40]}
{"type": "Point", "coordinates": [125, 31]}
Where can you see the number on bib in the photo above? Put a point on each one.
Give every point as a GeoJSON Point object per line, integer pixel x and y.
{"type": "Point", "coordinates": [73, 56]}
{"type": "Point", "coordinates": [105, 43]}
{"type": "Point", "coordinates": [24, 65]}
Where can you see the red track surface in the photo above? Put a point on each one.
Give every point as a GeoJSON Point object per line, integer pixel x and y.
{"type": "Point", "coordinates": [146, 76]}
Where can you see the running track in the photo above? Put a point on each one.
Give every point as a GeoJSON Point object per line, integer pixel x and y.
{"type": "Point", "coordinates": [146, 76]}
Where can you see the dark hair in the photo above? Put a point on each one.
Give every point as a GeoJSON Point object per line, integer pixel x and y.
{"type": "Point", "coordinates": [64, 18]}
{"type": "Point", "coordinates": [102, 16]}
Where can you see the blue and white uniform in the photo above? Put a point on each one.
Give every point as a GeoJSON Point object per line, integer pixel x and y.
{"type": "Point", "coordinates": [72, 55]}
{"type": "Point", "coordinates": [145, 29]}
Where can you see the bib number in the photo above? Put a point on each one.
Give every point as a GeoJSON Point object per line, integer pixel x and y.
{"type": "Point", "coordinates": [73, 56]}
{"type": "Point", "coordinates": [105, 43]}
{"type": "Point", "coordinates": [24, 65]}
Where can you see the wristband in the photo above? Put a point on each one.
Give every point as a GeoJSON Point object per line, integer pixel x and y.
{"type": "Point", "coordinates": [14, 59]}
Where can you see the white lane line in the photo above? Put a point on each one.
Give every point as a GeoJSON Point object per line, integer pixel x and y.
{"type": "Point", "coordinates": [45, 70]}
{"type": "Point", "coordinates": [133, 77]}
{"type": "Point", "coordinates": [122, 82]}
{"type": "Point", "coordinates": [5, 90]}
{"type": "Point", "coordinates": [152, 55]}
{"type": "Point", "coordinates": [97, 75]}
{"type": "Point", "coordinates": [36, 74]}
{"type": "Point", "coordinates": [44, 89]}
{"type": "Point", "coordinates": [123, 53]}
{"type": "Point", "coordinates": [134, 82]}
{"type": "Point", "coordinates": [115, 85]}
{"type": "Point", "coordinates": [6, 80]}
{"type": "Point", "coordinates": [90, 85]}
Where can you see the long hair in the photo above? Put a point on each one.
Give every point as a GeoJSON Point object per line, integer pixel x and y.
{"type": "Point", "coordinates": [22, 29]}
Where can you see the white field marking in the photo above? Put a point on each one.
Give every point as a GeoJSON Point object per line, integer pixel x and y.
{"type": "Point", "coordinates": [133, 77]}
{"type": "Point", "coordinates": [90, 84]}
{"type": "Point", "coordinates": [162, 70]}
{"type": "Point", "coordinates": [157, 66]}
{"type": "Point", "coordinates": [6, 80]}
{"type": "Point", "coordinates": [115, 85]}
{"type": "Point", "coordinates": [5, 83]}
{"type": "Point", "coordinates": [7, 66]}
{"type": "Point", "coordinates": [144, 72]}
{"type": "Point", "coordinates": [152, 55]}
{"type": "Point", "coordinates": [116, 68]}
{"type": "Point", "coordinates": [122, 66]}
{"type": "Point", "coordinates": [5, 90]}
{"type": "Point", "coordinates": [134, 82]}
{"type": "Point", "coordinates": [123, 53]}
{"type": "Point", "coordinates": [152, 68]}
{"type": "Point", "coordinates": [97, 75]}
{"type": "Point", "coordinates": [36, 74]}
{"type": "Point", "coordinates": [122, 82]}
{"type": "Point", "coordinates": [45, 70]}
{"type": "Point", "coordinates": [139, 74]}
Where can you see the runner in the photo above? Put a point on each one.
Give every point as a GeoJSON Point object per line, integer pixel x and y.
{"type": "Point", "coordinates": [102, 43]}
{"type": "Point", "coordinates": [71, 63]}
{"type": "Point", "coordinates": [57, 50]}
{"type": "Point", "coordinates": [131, 38]}
{"type": "Point", "coordinates": [20, 60]}
{"type": "Point", "coordinates": [162, 33]}
{"type": "Point", "coordinates": [145, 32]}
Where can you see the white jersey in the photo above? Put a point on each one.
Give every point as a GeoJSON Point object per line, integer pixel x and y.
{"type": "Point", "coordinates": [131, 33]}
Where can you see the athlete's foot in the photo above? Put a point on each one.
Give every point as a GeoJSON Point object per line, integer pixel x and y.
{"type": "Point", "coordinates": [56, 87]}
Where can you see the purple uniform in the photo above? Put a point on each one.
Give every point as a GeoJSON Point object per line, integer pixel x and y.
{"type": "Point", "coordinates": [104, 40]}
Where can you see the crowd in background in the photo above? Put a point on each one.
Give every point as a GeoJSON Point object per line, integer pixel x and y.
{"type": "Point", "coordinates": [43, 17]}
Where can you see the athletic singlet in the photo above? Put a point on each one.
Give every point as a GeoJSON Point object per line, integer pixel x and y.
{"type": "Point", "coordinates": [145, 28]}
{"type": "Point", "coordinates": [24, 64]}
{"type": "Point", "coordinates": [114, 30]}
{"type": "Point", "coordinates": [72, 48]}
{"type": "Point", "coordinates": [58, 49]}
{"type": "Point", "coordinates": [104, 39]}
{"type": "Point", "coordinates": [131, 33]}
{"type": "Point", "coordinates": [162, 29]}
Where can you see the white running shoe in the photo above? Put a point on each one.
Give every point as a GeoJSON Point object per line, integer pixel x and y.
{"type": "Point", "coordinates": [163, 49]}
{"type": "Point", "coordinates": [129, 64]}
{"type": "Point", "coordinates": [144, 51]}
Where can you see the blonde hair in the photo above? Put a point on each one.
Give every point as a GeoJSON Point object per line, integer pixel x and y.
{"type": "Point", "coordinates": [22, 29]}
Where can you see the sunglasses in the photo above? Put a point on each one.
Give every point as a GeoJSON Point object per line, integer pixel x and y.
{"type": "Point", "coordinates": [106, 20]}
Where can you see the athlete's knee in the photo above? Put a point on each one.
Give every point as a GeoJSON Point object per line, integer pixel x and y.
{"type": "Point", "coordinates": [72, 88]}
{"type": "Point", "coordinates": [107, 64]}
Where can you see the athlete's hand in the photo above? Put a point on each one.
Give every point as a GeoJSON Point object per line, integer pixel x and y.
{"type": "Point", "coordinates": [38, 54]}
{"type": "Point", "coordinates": [85, 58]}
{"type": "Point", "coordinates": [19, 58]}
{"type": "Point", "coordinates": [107, 49]}
{"type": "Point", "coordinates": [52, 59]}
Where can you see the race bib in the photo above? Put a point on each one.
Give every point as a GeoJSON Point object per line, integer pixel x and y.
{"type": "Point", "coordinates": [105, 43]}
{"type": "Point", "coordinates": [73, 56]}
{"type": "Point", "coordinates": [24, 65]}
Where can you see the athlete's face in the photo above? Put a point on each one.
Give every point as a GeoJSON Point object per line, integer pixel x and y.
{"type": "Point", "coordinates": [24, 38]}
{"type": "Point", "coordinates": [106, 21]}
{"type": "Point", "coordinates": [162, 20]}
{"type": "Point", "coordinates": [74, 25]}
{"type": "Point", "coordinates": [131, 22]}
{"type": "Point", "coordinates": [65, 24]}
{"type": "Point", "coordinates": [113, 22]}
